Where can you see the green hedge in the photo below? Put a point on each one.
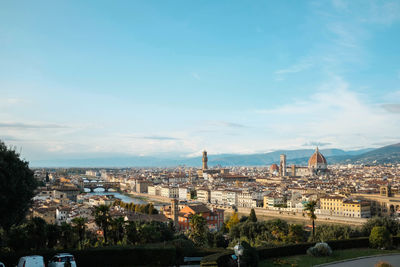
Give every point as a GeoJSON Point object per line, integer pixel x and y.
{"type": "Point", "coordinates": [396, 241]}
{"type": "Point", "coordinates": [283, 251]}
{"type": "Point", "coordinates": [224, 258]}
{"type": "Point", "coordinates": [110, 257]}
{"type": "Point", "coordinates": [218, 259]}
{"type": "Point", "coordinates": [361, 242]}
{"type": "Point", "coordinates": [296, 249]}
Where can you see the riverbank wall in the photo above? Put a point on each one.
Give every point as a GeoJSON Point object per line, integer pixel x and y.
{"type": "Point", "coordinates": [263, 214]}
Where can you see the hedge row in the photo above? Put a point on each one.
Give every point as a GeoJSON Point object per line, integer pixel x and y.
{"type": "Point", "coordinates": [283, 251]}
{"type": "Point", "coordinates": [396, 241]}
{"type": "Point", "coordinates": [134, 256]}
{"type": "Point", "coordinates": [218, 259]}
{"type": "Point", "coordinates": [297, 249]}
{"type": "Point", "coordinates": [361, 242]}
{"type": "Point", "coordinates": [222, 259]}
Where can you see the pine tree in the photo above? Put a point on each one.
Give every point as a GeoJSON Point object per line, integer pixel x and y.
{"type": "Point", "coordinates": [252, 216]}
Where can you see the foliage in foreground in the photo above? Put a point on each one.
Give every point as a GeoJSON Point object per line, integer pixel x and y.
{"type": "Point", "coordinates": [392, 225]}
{"type": "Point", "coordinates": [17, 185]}
{"type": "Point", "coordinates": [380, 238]}
{"type": "Point", "coordinates": [306, 260]}
{"type": "Point", "coordinates": [320, 250]}
{"type": "Point", "coordinates": [268, 233]}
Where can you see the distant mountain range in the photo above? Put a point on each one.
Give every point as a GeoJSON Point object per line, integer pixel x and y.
{"type": "Point", "coordinates": [387, 154]}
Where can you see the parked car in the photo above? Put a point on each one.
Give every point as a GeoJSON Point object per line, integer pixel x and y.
{"type": "Point", "coordinates": [31, 261]}
{"type": "Point", "coordinates": [59, 260]}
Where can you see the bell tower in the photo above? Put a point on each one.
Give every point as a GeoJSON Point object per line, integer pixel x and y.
{"type": "Point", "coordinates": [282, 165]}
{"type": "Point", "coordinates": [205, 160]}
{"type": "Point", "coordinates": [175, 212]}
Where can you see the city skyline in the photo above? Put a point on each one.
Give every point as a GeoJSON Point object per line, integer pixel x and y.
{"type": "Point", "coordinates": [155, 78]}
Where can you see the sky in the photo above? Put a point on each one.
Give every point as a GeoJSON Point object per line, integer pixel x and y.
{"type": "Point", "coordinates": [171, 78]}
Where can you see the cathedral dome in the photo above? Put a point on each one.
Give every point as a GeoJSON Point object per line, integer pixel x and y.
{"type": "Point", "coordinates": [273, 168]}
{"type": "Point", "coordinates": [317, 161]}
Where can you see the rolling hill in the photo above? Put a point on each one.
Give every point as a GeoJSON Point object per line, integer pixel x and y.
{"type": "Point", "coordinates": [387, 154]}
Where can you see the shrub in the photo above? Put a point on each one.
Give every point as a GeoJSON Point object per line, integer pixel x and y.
{"type": "Point", "coordinates": [319, 250]}
{"type": "Point", "coordinates": [184, 247]}
{"type": "Point", "coordinates": [218, 259]}
{"type": "Point", "coordinates": [383, 264]}
{"type": "Point", "coordinates": [391, 225]}
{"type": "Point", "coordinates": [301, 248]}
{"type": "Point", "coordinates": [380, 238]}
{"type": "Point", "coordinates": [335, 232]}
{"type": "Point", "coordinates": [250, 255]}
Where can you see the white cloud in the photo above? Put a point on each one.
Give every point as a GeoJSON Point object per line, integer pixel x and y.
{"type": "Point", "coordinates": [383, 12]}
{"type": "Point", "coordinates": [345, 36]}
{"type": "Point", "coordinates": [12, 101]}
{"type": "Point", "coordinates": [298, 67]}
{"type": "Point", "coordinates": [335, 114]}
{"type": "Point", "coordinates": [340, 4]}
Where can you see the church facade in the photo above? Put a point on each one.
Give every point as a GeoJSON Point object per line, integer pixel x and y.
{"type": "Point", "coordinates": [317, 164]}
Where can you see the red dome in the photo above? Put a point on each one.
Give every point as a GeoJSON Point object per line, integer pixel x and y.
{"type": "Point", "coordinates": [316, 159]}
{"type": "Point", "coordinates": [274, 167]}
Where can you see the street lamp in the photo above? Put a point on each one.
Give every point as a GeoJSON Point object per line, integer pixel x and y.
{"type": "Point", "coordinates": [238, 251]}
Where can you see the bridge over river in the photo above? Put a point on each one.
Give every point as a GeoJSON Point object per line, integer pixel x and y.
{"type": "Point", "coordinates": [92, 184]}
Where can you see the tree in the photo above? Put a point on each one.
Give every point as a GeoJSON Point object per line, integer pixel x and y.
{"type": "Point", "coordinates": [68, 238]}
{"type": "Point", "coordinates": [380, 237]}
{"type": "Point", "coordinates": [36, 229]}
{"type": "Point", "coordinates": [198, 229]}
{"type": "Point", "coordinates": [17, 184]}
{"type": "Point", "coordinates": [53, 235]}
{"type": "Point", "coordinates": [232, 221]}
{"type": "Point", "coordinates": [252, 216]}
{"type": "Point", "coordinates": [389, 223]}
{"type": "Point", "coordinates": [244, 218]}
{"type": "Point", "coordinates": [132, 233]}
{"type": "Point", "coordinates": [220, 241]}
{"type": "Point", "coordinates": [335, 232]}
{"type": "Point", "coordinates": [296, 233]}
{"type": "Point", "coordinates": [17, 238]}
{"type": "Point", "coordinates": [310, 209]}
{"type": "Point", "coordinates": [148, 233]}
{"type": "Point", "coordinates": [80, 227]}
{"type": "Point", "coordinates": [118, 229]}
{"type": "Point", "coordinates": [250, 255]}
{"type": "Point", "coordinates": [103, 219]}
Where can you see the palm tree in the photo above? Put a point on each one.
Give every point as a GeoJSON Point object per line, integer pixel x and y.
{"type": "Point", "coordinates": [310, 209]}
{"type": "Point", "coordinates": [80, 227]}
{"type": "Point", "coordinates": [118, 229]}
{"type": "Point", "coordinates": [103, 219]}
{"type": "Point", "coordinates": [198, 229]}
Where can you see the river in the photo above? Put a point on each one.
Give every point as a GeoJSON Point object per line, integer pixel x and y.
{"type": "Point", "coordinates": [124, 198]}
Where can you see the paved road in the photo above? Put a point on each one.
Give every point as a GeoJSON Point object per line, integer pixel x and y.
{"type": "Point", "coordinates": [368, 262]}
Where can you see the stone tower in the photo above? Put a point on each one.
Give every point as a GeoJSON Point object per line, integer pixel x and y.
{"type": "Point", "coordinates": [175, 213]}
{"type": "Point", "coordinates": [282, 166]}
{"type": "Point", "coordinates": [205, 159]}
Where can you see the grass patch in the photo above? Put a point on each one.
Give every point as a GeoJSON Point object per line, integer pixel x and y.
{"type": "Point", "coordinates": [306, 260]}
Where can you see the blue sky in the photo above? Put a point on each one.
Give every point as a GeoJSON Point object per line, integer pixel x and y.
{"type": "Point", "coordinates": [95, 78]}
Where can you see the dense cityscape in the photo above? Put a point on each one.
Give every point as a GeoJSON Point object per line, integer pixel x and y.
{"type": "Point", "coordinates": [345, 193]}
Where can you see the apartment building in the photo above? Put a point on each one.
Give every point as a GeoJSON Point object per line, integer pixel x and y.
{"type": "Point", "coordinates": [203, 195]}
